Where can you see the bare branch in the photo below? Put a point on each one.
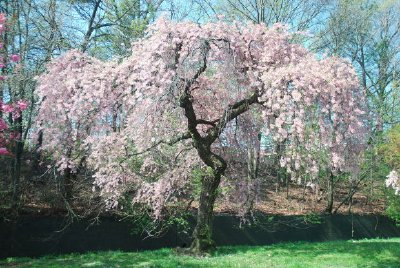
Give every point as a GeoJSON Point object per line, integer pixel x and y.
{"type": "Point", "coordinates": [169, 142]}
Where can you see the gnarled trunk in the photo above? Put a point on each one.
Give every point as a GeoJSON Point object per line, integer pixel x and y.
{"type": "Point", "coordinates": [202, 235]}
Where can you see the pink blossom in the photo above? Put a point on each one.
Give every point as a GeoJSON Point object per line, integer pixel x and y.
{"type": "Point", "coordinates": [22, 105]}
{"type": "Point", "coordinates": [4, 151]}
{"type": "Point", "coordinates": [3, 125]}
{"type": "Point", "coordinates": [15, 135]}
{"type": "Point", "coordinates": [15, 58]}
{"type": "Point", "coordinates": [3, 18]}
{"type": "Point", "coordinates": [8, 108]}
{"type": "Point", "coordinates": [393, 180]}
{"type": "Point", "coordinates": [296, 95]}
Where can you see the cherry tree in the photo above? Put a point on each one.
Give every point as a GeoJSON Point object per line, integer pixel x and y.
{"type": "Point", "coordinates": [175, 100]}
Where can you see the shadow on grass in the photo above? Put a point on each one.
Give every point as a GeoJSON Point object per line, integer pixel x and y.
{"type": "Point", "coordinates": [374, 253]}
{"type": "Point", "coordinates": [366, 253]}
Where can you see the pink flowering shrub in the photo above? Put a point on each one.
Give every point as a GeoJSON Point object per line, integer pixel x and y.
{"type": "Point", "coordinates": [7, 135]}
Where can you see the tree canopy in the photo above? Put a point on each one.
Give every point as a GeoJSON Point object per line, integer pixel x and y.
{"type": "Point", "coordinates": [174, 101]}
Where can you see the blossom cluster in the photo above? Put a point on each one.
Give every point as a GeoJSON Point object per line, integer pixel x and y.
{"type": "Point", "coordinates": [393, 181]}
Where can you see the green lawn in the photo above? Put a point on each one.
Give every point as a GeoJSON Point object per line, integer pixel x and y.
{"type": "Point", "coordinates": [361, 253]}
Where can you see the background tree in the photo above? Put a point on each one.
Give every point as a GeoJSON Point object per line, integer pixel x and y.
{"type": "Point", "coordinates": [367, 33]}
{"type": "Point", "coordinates": [391, 152]}
{"type": "Point", "coordinates": [298, 14]}
{"type": "Point", "coordinates": [41, 30]}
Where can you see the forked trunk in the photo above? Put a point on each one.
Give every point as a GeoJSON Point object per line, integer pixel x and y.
{"type": "Point", "coordinates": [202, 234]}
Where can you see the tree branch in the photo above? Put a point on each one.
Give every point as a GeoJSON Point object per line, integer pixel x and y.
{"type": "Point", "coordinates": [169, 142]}
{"type": "Point", "coordinates": [230, 113]}
{"type": "Point", "coordinates": [206, 122]}
{"type": "Point", "coordinates": [185, 99]}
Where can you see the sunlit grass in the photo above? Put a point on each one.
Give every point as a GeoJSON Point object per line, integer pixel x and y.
{"type": "Point", "coordinates": [362, 253]}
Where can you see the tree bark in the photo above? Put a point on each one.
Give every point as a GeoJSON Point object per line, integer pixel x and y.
{"type": "Point", "coordinates": [253, 163]}
{"type": "Point", "coordinates": [329, 206]}
{"type": "Point", "coordinates": [16, 170]}
{"type": "Point", "coordinates": [68, 182]}
{"type": "Point", "coordinates": [37, 154]}
{"type": "Point", "coordinates": [68, 185]}
{"type": "Point", "coordinates": [202, 234]}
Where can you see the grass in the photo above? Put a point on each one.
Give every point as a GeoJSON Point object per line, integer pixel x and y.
{"type": "Point", "coordinates": [361, 253]}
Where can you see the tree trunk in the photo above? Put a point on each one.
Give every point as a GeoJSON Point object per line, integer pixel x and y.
{"type": "Point", "coordinates": [349, 197]}
{"type": "Point", "coordinates": [68, 182]}
{"type": "Point", "coordinates": [37, 154]}
{"type": "Point", "coordinates": [16, 173]}
{"type": "Point", "coordinates": [287, 185]}
{"type": "Point", "coordinates": [253, 163]}
{"type": "Point", "coordinates": [329, 207]}
{"type": "Point", "coordinates": [68, 185]}
{"type": "Point", "coordinates": [16, 169]}
{"type": "Point", "coordinates": [202, 233]}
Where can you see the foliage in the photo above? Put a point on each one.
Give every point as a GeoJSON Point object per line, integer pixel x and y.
{"type": "Point", "coordinates": [393, 207]}
{"type": "Point", "coordinates": [361, 253]}
{"type": "Point", "coordinates": [391, 153]}
{"type": "Point", "coordinates": [391, 147]}
{"type": "Point", "coordinates": [128, 21]}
